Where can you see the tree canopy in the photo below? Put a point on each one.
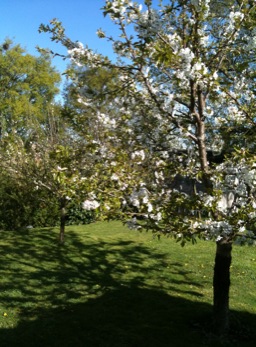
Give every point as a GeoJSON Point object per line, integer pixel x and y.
{"type": "Point", "coordinates": [187, 77]}
{"type": "Point", "coordinates": [28, 87]}
{"type": "Point", "coordinates": [186, 94]}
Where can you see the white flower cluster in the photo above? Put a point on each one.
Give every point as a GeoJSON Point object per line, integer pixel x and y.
{"type": "Point", "coordinates": [124, 10]}
{"type": "Point", "coordinates": [235, 114]}
{"type": "Point", "coordinates": [220, 229]}
{"type": "Point", "coordinates": [234, 17]}
{"type": "Point", "coordinates": [76, 53]}
{"type": "Point", "coordinates": [81, 55]}
{"type": "Point", "coordinates": [237, 187]}
{"type": "Point", "coordinates": [204, 38]}
{"type": "Point", "coordinates": [214, 229]}
{"type": "Point", "coordinates": [90, 205]}
{"type": "Point", "coordinates": [175, 42]}
{"type": "Point", "coordinates": [237, 183]}
{"type": "Point", "coordinates": [119, 6]}
{"type": "Point", "coordinates": [149, 23]}
{"type": "Point", "coordinates": [191, 69]}
{"type": "Point", "coordinates": [138, 154]}
{"type": "Point", "coordinates": [186, 56]}
{"type": "Point", "coordinates": [201, 5]}
{"type": "Point", "coordinates": [141, 197]}
{"type": "Point", "coordinates": [114, 177]}
{"type": "Point", "coordinates": [106, 120]}
{"type": "Point", "coordinates": [159, 175]}
{"type": "Point", "coordinates": [242, 173]}
{"type": "Point", "coordinates": [156, 217]}
{"type": "Point", "coordinates": [226, 201]}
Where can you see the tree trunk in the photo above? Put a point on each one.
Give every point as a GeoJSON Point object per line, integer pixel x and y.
{"type": "Point", "coordinates": [221, 285]}
{"type": "Point", "coordinates": [62, 219]}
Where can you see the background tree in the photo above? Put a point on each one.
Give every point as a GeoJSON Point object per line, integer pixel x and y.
{"type": "Point", "coordinates": [28, 87]}
{"type": "Point", "coordinates": [53, 167]}
{"type": "Point", "coordinates": [40, 153]}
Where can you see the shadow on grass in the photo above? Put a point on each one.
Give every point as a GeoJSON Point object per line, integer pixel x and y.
{"type": "Point", "coordinates": [99, 293]}
{"type": "Point", "coordinates": [123, 317]}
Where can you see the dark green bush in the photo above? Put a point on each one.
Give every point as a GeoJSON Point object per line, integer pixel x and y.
{"type": "Point", "coordinates": [21, 206]}
{"type": "Point", "coordinates": [77, 215]}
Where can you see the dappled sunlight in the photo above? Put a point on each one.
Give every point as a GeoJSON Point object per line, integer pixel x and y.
{"type": "Point", "coordinates": [44, 273]}
{"type": "Point", "coordinates": [111, 285]}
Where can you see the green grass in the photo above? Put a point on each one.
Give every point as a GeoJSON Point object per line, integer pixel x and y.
{"type": "Point", "coordinates": [110, 286]}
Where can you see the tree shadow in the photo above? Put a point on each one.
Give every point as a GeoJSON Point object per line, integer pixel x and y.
{"type": "Point", "coordinates": [101, 294]}
{"type": "Point", "coordinates": [123, 317]}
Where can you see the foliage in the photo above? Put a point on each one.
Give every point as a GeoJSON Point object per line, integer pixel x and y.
{"type": "Point", "coordinates": [39, 152]}
{"type": "Point", "coordinates": [14, 205]}
{"type": "Point", "coordinates": [21, 207]}
{"type": "Point", "coordinates": [28, 87]}
{"type": "Point", "coordinates": [52, 171]}
{"type": "Point", "coordinates": [77, 215]}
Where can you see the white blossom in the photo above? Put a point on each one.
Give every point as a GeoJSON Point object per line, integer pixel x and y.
{"type": "Point", "coordinates": [90, 205]}
{"type": "Point", "coordinates": [138, 154]}
{"type": "Point", "coordinates": [150, 207]}
{"type": "Point", "coordinates": [114, 177]}
{"type": "Point", "coordinates": [149, 23]}
{"type": "Point", "coordinates": [156, 217]}
{"type": "Point", "coordinates": [226, 201]}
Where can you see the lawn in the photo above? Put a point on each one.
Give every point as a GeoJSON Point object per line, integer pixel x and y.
{"type": "Point", "coordinates": [110, 286]}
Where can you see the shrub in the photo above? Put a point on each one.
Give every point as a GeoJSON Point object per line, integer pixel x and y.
{"type": "Point", "coordinates": [77, 215]}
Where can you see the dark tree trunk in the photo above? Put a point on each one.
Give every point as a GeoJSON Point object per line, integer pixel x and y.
{"type": "Point", "coordinates": [221, 285]}
{"type": "Point", "coordinates": [62, 220]}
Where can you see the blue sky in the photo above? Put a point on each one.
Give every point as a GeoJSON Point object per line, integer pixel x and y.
{"type": "Point", "coordinates": [20, 20]}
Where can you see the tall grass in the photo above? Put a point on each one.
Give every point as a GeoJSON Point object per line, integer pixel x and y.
{"type": "Point", "coordinates": [110, 286]}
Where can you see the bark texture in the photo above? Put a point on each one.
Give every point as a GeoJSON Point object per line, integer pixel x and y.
{"type": "Point", "coordinates": [221, 285]}
{"type": "Point", "coordinates": [62, 220]}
